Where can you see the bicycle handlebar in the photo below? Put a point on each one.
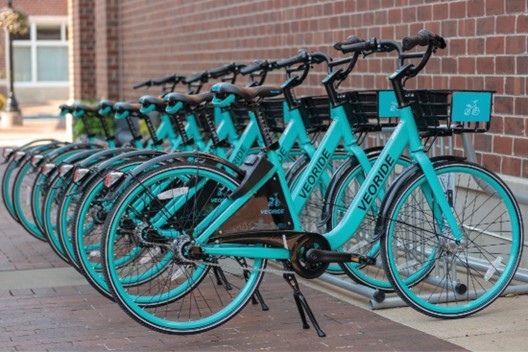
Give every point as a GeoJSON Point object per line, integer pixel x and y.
{"type": "Point", "coordinates": [301, 57]}
{"type": "Point", "coordinates": [258, 65]}
{"type": "Point", "coordinates": [195, 77]}
{"type": "Point", "coordinates": [351, 40]}
{"type": "Point", "coordinates": [224, 70]}
{"type": "Point", "coordinates": [319, 57]}
{"type": "Point", "coordinates": [142, 84]}
{"type": "Point", "coordinates": [423, 38]}
{"type": "Point", "coordinates": [168, 79]}
{"type": "Point", "coordinates": [173, 79]}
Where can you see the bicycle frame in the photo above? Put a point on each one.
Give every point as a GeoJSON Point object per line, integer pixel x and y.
{"type": "Point", "coordinates": [338, 131]}
{"type": "Point", "coordinates": [406, 134]}
{"type": "Point", "coordinates": [295, 131]}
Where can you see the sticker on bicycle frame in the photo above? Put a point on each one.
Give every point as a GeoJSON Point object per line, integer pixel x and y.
{"type": "Point", "coordinates": [471, 106]}
{"type": "Point", "coordinates": [173, 193]}
{"type": "Point", "coordinates": [387, 104]}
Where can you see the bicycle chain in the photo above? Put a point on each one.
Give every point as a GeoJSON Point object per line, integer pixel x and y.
{"type": "Point", "coordinates": [265, 270]}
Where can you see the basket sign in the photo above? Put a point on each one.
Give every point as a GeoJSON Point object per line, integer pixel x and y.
{"type": "Point", "coordinates": [471, 106]}
{"type": "Point", "coordinates": [387, 104]}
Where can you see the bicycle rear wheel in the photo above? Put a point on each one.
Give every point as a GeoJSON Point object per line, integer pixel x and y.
{"type": "Point", "coordinates": [186, 296]}
{"type": "Point", "coordinates": [469, 275]}
{"type": "Point", "coordinates": [83, 232]}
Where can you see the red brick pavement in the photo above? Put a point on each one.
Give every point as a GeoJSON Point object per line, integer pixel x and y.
{"type": "Point", "coordinates": [77, 318]}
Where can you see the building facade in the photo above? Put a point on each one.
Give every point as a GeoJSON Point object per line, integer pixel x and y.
{"type": "Point", "coordinates": [40, 57]}
{"type": "Point", "coordinates": [117, 43]}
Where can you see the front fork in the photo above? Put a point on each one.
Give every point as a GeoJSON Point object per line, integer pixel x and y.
{"type": "Point", "coordinates": [441, 200]}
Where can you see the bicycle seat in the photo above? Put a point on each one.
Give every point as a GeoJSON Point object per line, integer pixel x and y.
{"type": "Point", "coordinates": [65, 109]}
{"type": "Point", "coordinates": [122, 107]}
{"type": "Point", "coordinates": [246, 93]}
{"type": "Point", "coordinates": [190, 99]}
{"type": "Point", "coordinates": [82, 107]}
{"type": "Point", "coordinates": [105, 107]}
{"type": "Point", "coordinates": [148, 100]}
{"type": "Point", "coordinates": [105, 103]}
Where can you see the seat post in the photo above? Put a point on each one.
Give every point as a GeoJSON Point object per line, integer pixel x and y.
{"type": "Point", "coordinates": [263, 127]}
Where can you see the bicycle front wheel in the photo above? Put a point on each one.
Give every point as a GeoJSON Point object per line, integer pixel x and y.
{"type": "Point", "coordinates": [464, 276]}
{"type": "Point", "coordinates": [148, 230]}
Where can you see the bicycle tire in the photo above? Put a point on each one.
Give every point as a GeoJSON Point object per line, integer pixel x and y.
{"type": "Point", "coordinates": [469, 275]}
{"type": "Point", "coordinates": [200, 281]}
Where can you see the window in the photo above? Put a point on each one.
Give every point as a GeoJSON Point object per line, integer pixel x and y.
{"type": "Point", "coordinates": [22, 64]}
{"type": "Point", "coordinates": [41, 55]}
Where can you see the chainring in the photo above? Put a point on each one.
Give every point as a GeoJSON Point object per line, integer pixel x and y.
{"type": "Point", "coordinates": [299, 249]}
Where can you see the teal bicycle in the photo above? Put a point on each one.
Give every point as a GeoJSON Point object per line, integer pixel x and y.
{"type": "Point", "coordinates": [451, 232]}
{"type": "Point", "coordinates": [86, 231]}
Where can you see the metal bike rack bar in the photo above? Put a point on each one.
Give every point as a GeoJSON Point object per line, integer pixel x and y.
{"type": "Point", "coordinates": [393, 302]}
{"type": "Point", "coordinates": [350, 286]}
{"type": "Point", "coordinates": [469, 152]}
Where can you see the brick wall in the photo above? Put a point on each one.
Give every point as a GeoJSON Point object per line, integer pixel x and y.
{"type": "Point", "coordinates": [42, 7]}
{"type": "Point", "coordinates": [82, 63]}
{"type": "Point", "coordinates": [487, 48]}
{"type": "Point", "coordinates": [106, 22]}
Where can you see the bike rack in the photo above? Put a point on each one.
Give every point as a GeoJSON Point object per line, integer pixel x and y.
{"type": "Point", "coordinates": [377, 301]}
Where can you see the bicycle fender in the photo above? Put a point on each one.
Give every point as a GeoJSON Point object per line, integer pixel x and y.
{"type": "Point", "coordinates": [172, 157]}
{"type": "Point", "coordinates": [298, 163]}
{"type": "Point", "coordinates": [401, 180]}
{"type": "Point", "coordinates": [101, 154]}
{"type": "Point", "coordinates": [184, 156]}
{"type": "Point", "coordinates": [332, 186]}
{"type": "Point", "coordinates": [70, 147]}
{"type": "Point", "coordinates": [101, 169]}
{"type": "Point", "coordinates": [72, 159]}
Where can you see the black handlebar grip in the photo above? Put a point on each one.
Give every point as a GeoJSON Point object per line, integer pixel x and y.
{"type": "Point", "coordinates": [439, 42]}
{"type": "Point", "coordinates": [358, 47]}
{"type": "Point", "coordinates": [256, 66]}
{"type": "Point", "coordinates": [350, 40]}
{"type": "Point", "coordinates": [195, 77]}
{"type": "Point", "coordinates": [142, 84]}
{"type": "Point", "coordinates": [423, 38]}
{"type": "Point", "coordinates": [297, 59]}
{"type": "Point", "coordinates": [163, 80]}
{"type": "Point", "coordinates": [222, 70]}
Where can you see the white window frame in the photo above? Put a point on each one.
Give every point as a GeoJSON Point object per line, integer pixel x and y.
{"type": "Point", "coordinates": [33, 43]}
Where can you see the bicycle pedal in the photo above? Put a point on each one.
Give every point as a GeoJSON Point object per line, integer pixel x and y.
{"type": "Point", "coordinates": [326, 256]}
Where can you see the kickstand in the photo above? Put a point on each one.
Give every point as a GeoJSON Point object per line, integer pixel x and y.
{"type": "Point", "coordinates": [257, 296]}
{"type": "Point", "coordinates": [221, 278]}
{"type": "Point", "coordinates": [301, 302]}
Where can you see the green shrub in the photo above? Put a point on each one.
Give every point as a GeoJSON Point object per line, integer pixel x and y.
{"type": "Point", "coordinates": [94, 124]}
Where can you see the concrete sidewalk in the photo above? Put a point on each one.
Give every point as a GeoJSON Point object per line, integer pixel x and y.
{"type": "Point", "coordinates": [46, 305]}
